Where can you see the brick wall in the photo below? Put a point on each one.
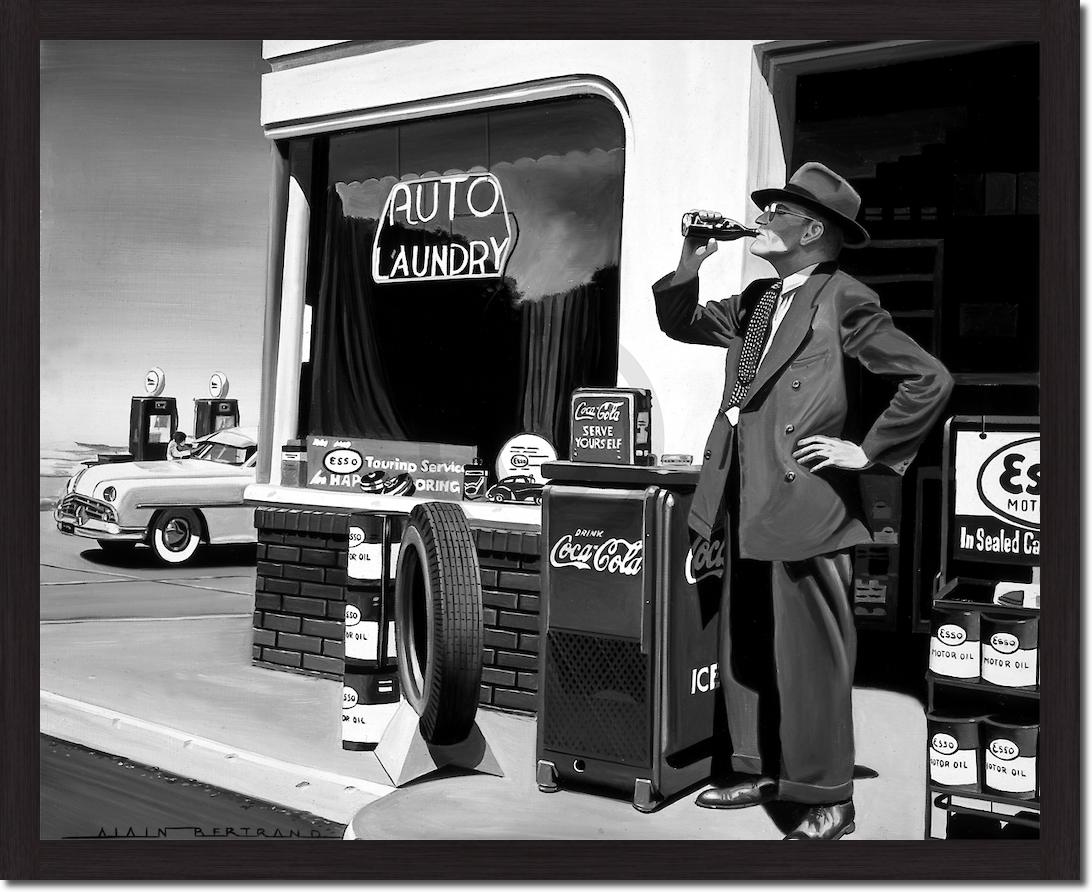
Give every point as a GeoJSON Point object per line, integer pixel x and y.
{"type": "Point", "coordinates": [299, 597]}
{"type": "Point", "coordinates": [299, 602]}
{"type": "Point", "coordinates": [510, 595]}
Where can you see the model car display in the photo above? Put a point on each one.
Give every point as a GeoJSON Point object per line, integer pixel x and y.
{"type": "Point", "coordinates": [517, 488]}
{"type": "Point", "coordinates": [173, 507]}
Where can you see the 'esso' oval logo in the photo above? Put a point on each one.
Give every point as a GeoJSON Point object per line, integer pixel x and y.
{"type": "Point", "coordinates": [218, 385]}
{"type": "Point", "coordinates": [154, 381]}
{"type": "Point", "coordinates": [944, 744]}
{"type": "Point", "coordinates": [356, 537]}
{"type": "Point", "coordinates": [348, 698]}
{"type": "Point", "coordinates": [1004, 643]}
{"type": "Point", "coordinates": [1009, 482]}
{"type": "Point", "coordinates": [342, 461]}
{"type": "Point", "coordinates": [950, 633]}
{"type": "Point", "coordinates": [1004, 749]}
{"type": "Point", "coordinates": [520, 461]}
{"type": "Point", "coordinates": [352, 614]}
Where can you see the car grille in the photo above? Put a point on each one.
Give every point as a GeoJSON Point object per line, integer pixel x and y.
{"type": "Point", "coordinates": [83, 508]}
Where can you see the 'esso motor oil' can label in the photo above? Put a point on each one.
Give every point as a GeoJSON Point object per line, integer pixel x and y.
{"type": "Point", "coordinates": [368, 703]}
{"type": "Point", "coordinates": [365, 559]}
{"type": "Point", "coordinates": [950, 764]}
{"type": "Point", "coordinates": [362, 629]}
{"type": "Point", "coordinates": [1007, 770]}
{"type": "Point", "coordinates": [1010, 652]}
{"type": "Point", "coordinates": [953, 653]}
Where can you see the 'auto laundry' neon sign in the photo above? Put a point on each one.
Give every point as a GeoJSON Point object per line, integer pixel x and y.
{"type": "Point", "coordinates": [443, 228]}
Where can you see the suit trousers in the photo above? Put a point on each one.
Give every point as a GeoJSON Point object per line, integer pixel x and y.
{"type": "Point", "coordinates": [788, 648]}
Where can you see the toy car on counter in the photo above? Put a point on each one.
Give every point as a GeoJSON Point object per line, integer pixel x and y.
{"type": "Point", "coordinates": [517, 488]}
{"type": "Point", "coordinates": [172, 506]}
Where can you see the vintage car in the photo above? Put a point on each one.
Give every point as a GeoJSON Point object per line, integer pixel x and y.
{"type": "Point", "coordinates": [517, 488]}
{"type": "Point", "coordinates": [172, 506]}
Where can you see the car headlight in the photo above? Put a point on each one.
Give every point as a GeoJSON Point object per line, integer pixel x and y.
{"type": "Point", "coordinates": [109, 494]}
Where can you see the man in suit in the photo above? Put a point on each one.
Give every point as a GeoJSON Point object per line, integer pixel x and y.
{"type": "Point", "coordinates": [781, 476]}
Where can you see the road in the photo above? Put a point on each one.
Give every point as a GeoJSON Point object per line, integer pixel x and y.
{"type": "Point", "coordinates": [89, 794]}
{"type": "Point", "coordinates": [86, 793]}
{"type": "Point", "coordinates": [79, 582]}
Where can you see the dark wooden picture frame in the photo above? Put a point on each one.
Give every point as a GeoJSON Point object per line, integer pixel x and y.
{"type": "Point", "coordinates": [1056, 856]}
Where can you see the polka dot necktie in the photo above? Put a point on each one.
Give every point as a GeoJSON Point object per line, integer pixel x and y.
{"type": "Point", "coordinates": [753, 342]}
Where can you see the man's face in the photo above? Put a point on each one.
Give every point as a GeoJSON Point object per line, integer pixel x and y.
{"type": "Point", "coordinates": [781, 226]}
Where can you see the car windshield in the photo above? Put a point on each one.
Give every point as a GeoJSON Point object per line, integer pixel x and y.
{"type": "Point", "coordinates": [210, 450]}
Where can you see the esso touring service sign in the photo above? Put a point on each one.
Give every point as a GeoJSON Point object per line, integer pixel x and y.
{"type": "Point", "coordinates": [997, 496]}
{"type": "Point", "coordinates": [442, 229]}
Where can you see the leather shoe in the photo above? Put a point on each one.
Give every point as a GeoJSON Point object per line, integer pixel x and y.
{"type": "Point", "coordinates": [753, 791]}
{"type": "Point", "coordinates": [826, 822]}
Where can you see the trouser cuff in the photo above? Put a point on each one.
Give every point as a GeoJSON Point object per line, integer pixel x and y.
{"type": "Point", "coordinates": [746, 764]}
{"type": "Point", "coordinates": [810, 794]}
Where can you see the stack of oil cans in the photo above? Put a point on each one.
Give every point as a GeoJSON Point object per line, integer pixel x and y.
{"type": "Point", "coordinates": [371, 690]}
{"type": "Point", "coordinates": [995, 754]}
{"type": "Point", "coordinates": [973, 646]}
{"type": "Point", "coordinates": [971, 749]}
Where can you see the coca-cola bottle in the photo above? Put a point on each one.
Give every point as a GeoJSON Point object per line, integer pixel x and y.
{"type": "Point", "coordinates": [710, 224]}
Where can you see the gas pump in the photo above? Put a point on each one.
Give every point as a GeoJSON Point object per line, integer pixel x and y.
{"type": "Point", "coordinates": [153, 419]}
{"type": "Point", "coordinates": [216, 413]}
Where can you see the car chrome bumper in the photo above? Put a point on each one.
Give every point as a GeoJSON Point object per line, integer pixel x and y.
{"type": "Point", "coordinates": [96, 529]}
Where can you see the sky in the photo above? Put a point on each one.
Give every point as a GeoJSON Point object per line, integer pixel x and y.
{"type": "Point", "coordinates": [154, 214]}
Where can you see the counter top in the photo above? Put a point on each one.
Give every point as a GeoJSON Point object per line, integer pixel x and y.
{"type": "Point", "coordinates": [673, 476]}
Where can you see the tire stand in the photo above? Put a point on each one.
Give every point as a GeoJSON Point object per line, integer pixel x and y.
{"type": "Point", "coordinates": [406, 756]}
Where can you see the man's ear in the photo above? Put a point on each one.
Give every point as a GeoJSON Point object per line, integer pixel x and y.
{"type": "Point", "coordinates": [813, 233]}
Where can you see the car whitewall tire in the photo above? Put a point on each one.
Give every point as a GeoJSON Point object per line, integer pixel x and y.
{"type": "Point", "coordinates": [176, 536]}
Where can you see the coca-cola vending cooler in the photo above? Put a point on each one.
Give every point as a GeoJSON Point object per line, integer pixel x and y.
{"type": "Point", "coordinates": [628, 692]}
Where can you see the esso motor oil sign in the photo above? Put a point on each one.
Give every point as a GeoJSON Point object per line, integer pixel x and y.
{"type": "Point", "coordinates": [1009, 482]}
{"type": "Point", "coordinates": [997, 502]}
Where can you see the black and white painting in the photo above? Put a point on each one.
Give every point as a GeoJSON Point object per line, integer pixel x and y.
{"type": "Point", "coordinates": [518, 439]}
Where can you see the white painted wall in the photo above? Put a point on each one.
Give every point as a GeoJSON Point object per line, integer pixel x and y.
{"type": "Point", "coordinates": [700, 132]}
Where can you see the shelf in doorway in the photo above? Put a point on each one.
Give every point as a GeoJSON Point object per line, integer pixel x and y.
{"type": "Point", "coordinates": [982, 687]}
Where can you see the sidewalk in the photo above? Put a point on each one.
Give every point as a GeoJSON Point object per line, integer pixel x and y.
{"type": "Point", "coordinates": [199, 709]}
{"type": "Point", "coordinates": [889, 793]}
{"type": "Point", "coordinates": [194, 706]}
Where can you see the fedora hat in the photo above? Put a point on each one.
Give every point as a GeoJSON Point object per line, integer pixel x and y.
{"type": "Point", "coordinates": [819, 188]}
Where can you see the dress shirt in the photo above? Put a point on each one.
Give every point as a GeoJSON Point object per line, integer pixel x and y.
{"type": "Point", "coordinates": [784, 300]}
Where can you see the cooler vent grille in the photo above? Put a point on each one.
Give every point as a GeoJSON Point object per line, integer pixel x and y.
{"type": "Point", "coordinates": [596, 698]}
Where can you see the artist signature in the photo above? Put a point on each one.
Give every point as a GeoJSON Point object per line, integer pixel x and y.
{"type": "Point", "coordinates": [191, 832]}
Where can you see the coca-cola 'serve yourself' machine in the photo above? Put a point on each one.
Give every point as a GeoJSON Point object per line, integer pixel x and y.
{"type": "Point", "coordinates": [153, 419]}
{"type": "Point", "coordinates": [628, 690]}
{"type": "Point", "coordinates": [217, 411]}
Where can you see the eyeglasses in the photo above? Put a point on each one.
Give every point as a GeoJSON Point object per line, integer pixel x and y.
{"type": "Point", "coordinates": [777, 209]}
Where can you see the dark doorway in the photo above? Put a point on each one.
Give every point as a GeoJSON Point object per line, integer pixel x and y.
{"type": "Point", "coordinates": [945, 154]}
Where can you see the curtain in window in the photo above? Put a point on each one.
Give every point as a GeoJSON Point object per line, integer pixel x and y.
{"type": "Point", "coordinates": [562, 349]}
{"type": "Point", "coordinates": [349, 392]}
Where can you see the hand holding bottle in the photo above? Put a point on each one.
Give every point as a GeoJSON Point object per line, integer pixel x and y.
{"type": "Point", "coordinates": [696, 249]}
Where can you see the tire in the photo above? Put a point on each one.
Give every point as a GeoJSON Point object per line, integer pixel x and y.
{"type": "Point", "coordinates": [175, 535]}
{"type": "Point", "coordinates": [438, 621]}
{"type": "Point", "coordinates": [116, 549]}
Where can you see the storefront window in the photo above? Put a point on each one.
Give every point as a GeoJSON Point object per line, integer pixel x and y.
{"type": "Point", "coordinates": [406, 345]}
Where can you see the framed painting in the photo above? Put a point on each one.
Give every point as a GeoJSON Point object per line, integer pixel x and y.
{"type": "Point", "coordinates": [610, 457]}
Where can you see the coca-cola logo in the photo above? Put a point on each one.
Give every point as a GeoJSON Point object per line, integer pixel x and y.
{"type": "Point", "coordinates": [611, 555]}
{"type": "Point", "coordinates": [610, 410]}
{"type": "Point", "coordinates": [704, 559]}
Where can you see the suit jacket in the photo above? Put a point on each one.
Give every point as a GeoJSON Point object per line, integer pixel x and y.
{"type": "Point", "coordinates": [786, 512]}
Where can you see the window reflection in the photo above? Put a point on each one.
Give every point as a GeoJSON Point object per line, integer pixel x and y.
{"type": "Point", "coordinates": [472, 361]}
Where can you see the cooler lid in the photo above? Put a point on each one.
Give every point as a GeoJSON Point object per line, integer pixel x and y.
{"type": "Point", "coordinates": [620, 475]}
